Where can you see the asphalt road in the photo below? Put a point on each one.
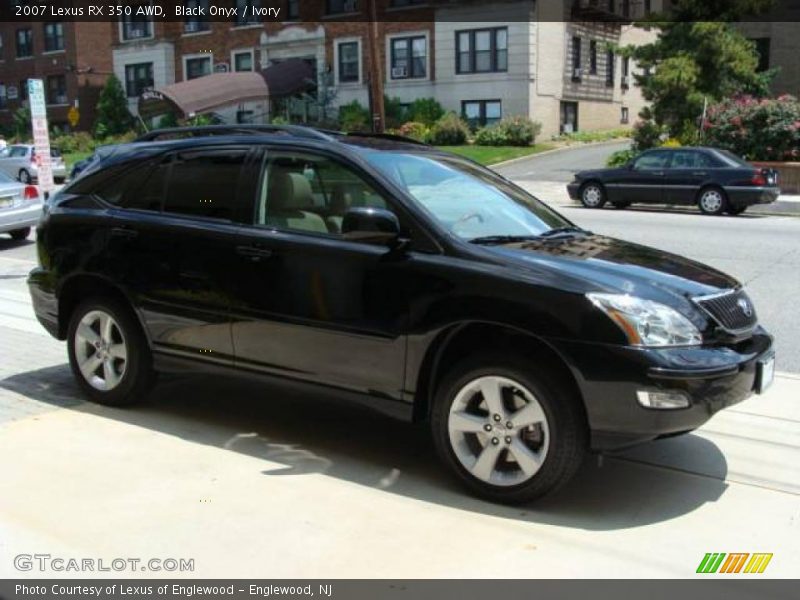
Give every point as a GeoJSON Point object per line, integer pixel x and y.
{"type": "Point", "coordinates": [562, 165]}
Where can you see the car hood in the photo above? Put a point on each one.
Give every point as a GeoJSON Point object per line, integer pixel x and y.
{"type": "Point", "coordinates": [587, 263]}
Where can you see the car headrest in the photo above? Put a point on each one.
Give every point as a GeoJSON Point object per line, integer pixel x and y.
{"type": "Point", "coordinates": [288, 191]}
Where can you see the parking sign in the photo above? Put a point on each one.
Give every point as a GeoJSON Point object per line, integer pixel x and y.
{"type": "Point", "coordinates": [41, 137]}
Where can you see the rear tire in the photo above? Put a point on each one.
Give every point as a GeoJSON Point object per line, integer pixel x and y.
{"type": "Point", "coordinates": [108, 353]}
{"type": "Point", "coordinates": [526, 441]}
{"type": "Point", "coordinates": [593, 195]}
{"type": "Point", "coordinates": [712, 201]}
{"type": "Point", "coordinates": [20, 234]}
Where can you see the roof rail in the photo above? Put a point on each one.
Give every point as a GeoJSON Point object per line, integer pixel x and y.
{"type": "Point", "coordinates": [387, 136]}
{"type": "Point", "coordinates": [243, 129]}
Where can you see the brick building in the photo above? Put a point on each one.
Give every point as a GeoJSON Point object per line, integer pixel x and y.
{"type": "Point", "coordinates": [546, 60]}
{"type": "Point", "coordinates": [72, 59]}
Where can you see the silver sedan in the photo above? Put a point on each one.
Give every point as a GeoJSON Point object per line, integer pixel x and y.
{"type": "Point", "coordinates": [20, 207]}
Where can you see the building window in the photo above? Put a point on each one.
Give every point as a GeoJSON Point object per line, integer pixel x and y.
{"type": "Point", "coordinates": [648, 7]}
{"type": "Point", "coordinates": [138, 78]}
{"type": "Point", "coordinates": [576, 58]}
{"type": "Point", "coordinates": [479, 113]}
{"type": "Point", "coordinates": [22, 91]}
{"type": "Point", "coordinates": [292, 10]}
{"type": "Point", "coordinates": [348, 62]}
{"type": "Point", "coordinates": [136, 27]}
{"type": "Point", "coordinates": [2, 54]}
{"type": "Point", "coordinates": [245, 15]}
{"type": "Point", "coordinates": [762, 49]}
{"type": "Point", "coordinates": [593, 57]}
{"type": "Point", "coordinates": [56, 89]}
{"type": "Point", "coordinates": [53, 37]}
{"type": "Point", "coordinates": [482, 50]}
{"type": "Point", "coordinates": [197, 67]}
{"type": "Point", "coordinates": [626, 72]}
{"type": "Point", "coordinates": [243, 61]}
{"type": "Point", "coordinates": [610, 59]}
{"type": "Point", "coordinates": [3, 101]}
{"type": "Point", "coordinates": [24, 43]}
{"type": "Point", "coordinates": [626, 8]}
{"type": "Point", "coordinates": [195, 24]}
{"type": "Point", "coordinates": [409, 57]}
{"type": "Point", "coordinates": [624, 116]}
{"type": "Point", "coordinates": [337, 7]}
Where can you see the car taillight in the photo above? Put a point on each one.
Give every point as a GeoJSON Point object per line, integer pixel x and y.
{"type": "Point", "coordinates": [30, 193]}
{"type": "Point", "coordinates": [758, 178]}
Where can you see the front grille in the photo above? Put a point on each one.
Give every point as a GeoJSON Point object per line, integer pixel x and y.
{"type": "Point", "coordinates": [730, 310]}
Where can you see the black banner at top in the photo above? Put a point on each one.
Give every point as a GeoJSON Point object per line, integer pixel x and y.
{"type": "Point", "coordinates": [253, 12]}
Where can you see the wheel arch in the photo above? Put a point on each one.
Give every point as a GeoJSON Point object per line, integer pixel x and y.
{"type": "Point", "coordinates": [458, 341]}
{"type": "Point", "coordinates": [83, 285]}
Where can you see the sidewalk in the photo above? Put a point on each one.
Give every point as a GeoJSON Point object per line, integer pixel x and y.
{"type": "Point", "coordinates": [555, 193]}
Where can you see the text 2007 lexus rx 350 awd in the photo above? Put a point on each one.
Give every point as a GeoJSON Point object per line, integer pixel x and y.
{"type": "Point", "coordinates": [388, 273]}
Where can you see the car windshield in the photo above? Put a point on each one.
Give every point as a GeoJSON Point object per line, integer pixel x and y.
{"type": "Point", "coordinates": [468, 200]}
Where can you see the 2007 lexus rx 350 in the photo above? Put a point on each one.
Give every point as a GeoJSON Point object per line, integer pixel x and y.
{"type": "Point", "coordinates": [388, 273]}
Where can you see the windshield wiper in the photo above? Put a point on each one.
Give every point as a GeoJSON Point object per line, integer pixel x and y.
{"type": "Point", "coordinates": [502, 239]}
{"type": "Point", "coordinates": [563, 230]}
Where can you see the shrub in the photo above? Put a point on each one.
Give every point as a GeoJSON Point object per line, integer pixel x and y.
{"type": "Point", "coordinates": [354, 117]}
{"type": "Point", "coordinates": [511, 131]}
{"type": "Point", "coordinates": [113, 117]}
{"type": "Point", "coordinates": [425, 110]}
{"type": "Point", "coordinates": [414, 130]}
{"type": "Point", "coordinates": [167, 121]}
{"type": "Point", "coordinates": [647, 134]}
{"type": "Point", "coordinates": [74, 142]}
{"type": "Point", "coordinates": [758, 129]}
{"type": "Point", "coordinates": [395, 112]}
{"type": "Point", "coordinates": [449, 130]}
{"type": "Point", "coordinates": [621, 157]}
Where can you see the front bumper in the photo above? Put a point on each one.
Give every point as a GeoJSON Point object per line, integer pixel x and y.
{"type": "Point", "coordinates": [747, 196]}
{"type": "Point", "coordinates": [20, 217]}
{"type": "Point", "coordinates": [574, 189]}
{"type": "Point", "coordinates": [712, 377]}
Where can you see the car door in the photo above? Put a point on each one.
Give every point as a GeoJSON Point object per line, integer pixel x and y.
{"type": "Point", "coordinates": [644, 179]}
{"type": "Point", "coordinates": [313, 305]}
{"type": "Point", "coordinates": [173, 246]}
{"type": "Point", "coordinates": [687, 171]}
{"type": "Point", "coordinates": [15, 161]}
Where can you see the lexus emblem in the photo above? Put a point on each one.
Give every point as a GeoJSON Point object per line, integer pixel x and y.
{"type": "Point", "coordinates": [746, 307]}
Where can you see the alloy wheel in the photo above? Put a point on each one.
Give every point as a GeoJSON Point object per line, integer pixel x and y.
{"type": "Point", "coordinates": [711, 201]}
{"type": "Point", "coordinates": [592, 196]}
{"type": "Point", "coordinates": [100, 350]}
{"type": "Point", "coordinates": [498, 431]}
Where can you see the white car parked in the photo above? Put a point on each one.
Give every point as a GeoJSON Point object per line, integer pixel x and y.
{"type": "Point", "coordinates": [20, 162]}
{"type": "Point", "coordinates": [20, 207]}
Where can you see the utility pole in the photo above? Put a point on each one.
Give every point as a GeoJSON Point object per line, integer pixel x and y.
{"type": "Point", "coordinates": [377, 108]}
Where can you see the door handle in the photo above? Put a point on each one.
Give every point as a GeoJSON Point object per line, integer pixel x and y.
{"type": "Point", "coordinates": [124, 232]}
{"type": "Point", "coordinates": [254, 253]}
{"type": "Point", "coordinates": [699, 173]}
{"type": "Point", "coordinates": [658, 172]}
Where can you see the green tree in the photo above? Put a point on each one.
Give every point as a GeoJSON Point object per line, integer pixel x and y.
{"type": "Point", "coordinates": [694, 60]}
{"type": "Point", "coordinates": [113, 117]}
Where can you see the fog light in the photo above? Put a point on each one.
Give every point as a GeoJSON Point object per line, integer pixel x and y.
{"type": "Point", "coordinates": [662, 400]}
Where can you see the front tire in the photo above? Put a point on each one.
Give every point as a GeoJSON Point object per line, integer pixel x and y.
{"type": "Point", "coordinates": [509, 433]}
{"type": "Point", "coordinates": [108, 353]}
{"type": "Point", "coordinates": [20, 234]}
{"type": "Point", "coordinates": [712, 201]}
{"type": "Point", "coordinates": [593, 195]}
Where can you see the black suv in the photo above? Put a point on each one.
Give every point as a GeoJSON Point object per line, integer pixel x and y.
{"type": "Point", "coordinates": [397, 276]}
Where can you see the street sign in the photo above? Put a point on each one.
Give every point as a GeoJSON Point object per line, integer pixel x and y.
{"type": "Point", "coordinates": [73, 116]}
{"type": "Point", "coordinates": [41, 137]}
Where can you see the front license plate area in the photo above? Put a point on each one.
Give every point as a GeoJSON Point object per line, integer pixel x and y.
{"type": "Point", "coordinates": [765, 373]}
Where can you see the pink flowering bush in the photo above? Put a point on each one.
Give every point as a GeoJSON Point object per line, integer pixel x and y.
{"type": "Point", "coordinates": [756, 128]}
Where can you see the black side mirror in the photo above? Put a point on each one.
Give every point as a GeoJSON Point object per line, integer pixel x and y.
{"type": "Point", "coordinates": [372, 225]}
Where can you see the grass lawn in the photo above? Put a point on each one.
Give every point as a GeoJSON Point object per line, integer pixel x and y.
{"type": "Point", "coordinates": [489, 155]}
{"type": "Point", "coordinates": [73, 157]}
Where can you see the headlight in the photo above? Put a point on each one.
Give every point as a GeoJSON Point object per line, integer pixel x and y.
{"type": "Point", "coordinates": [647, 323]}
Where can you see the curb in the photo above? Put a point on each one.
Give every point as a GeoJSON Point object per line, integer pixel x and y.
{"type": "Point", "coordinates": [519, 159]}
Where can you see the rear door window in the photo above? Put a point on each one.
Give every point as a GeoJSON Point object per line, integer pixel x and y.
{"type": "Point", "coordinates": [204, 183]}
{"type": "Point", "coordinates": [652, 160]}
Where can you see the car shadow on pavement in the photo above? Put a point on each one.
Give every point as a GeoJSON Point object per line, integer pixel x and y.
{"type": "Point", "coordinates": [6, 243]}
{"type": "Point", "coordinates": [296, 435]}
{"type": "Point", "coordinates": [643, 208]}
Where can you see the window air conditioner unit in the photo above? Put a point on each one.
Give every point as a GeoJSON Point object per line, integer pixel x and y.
{"type": "Point", "coordinates": [61, 99]}
{"type": "Point", "coordinates": [577, 72]}
{"type": "Point", "coordinates": [399, 72]}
